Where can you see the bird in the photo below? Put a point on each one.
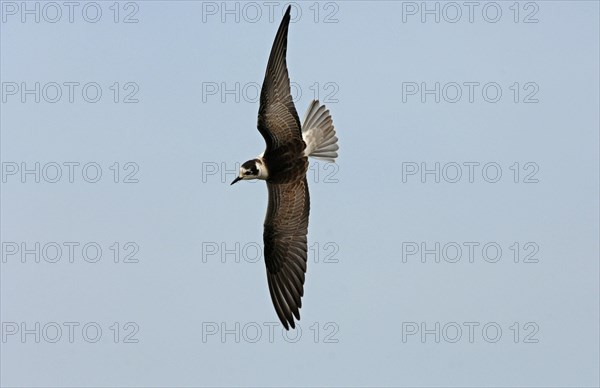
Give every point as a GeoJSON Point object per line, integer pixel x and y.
{"type": "Point", "coordinates": [283, 165]}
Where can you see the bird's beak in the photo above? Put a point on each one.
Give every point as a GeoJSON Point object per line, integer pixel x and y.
{"type": "Point", "coordinates": [239, 178]}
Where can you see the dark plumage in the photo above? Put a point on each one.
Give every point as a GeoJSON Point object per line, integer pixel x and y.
{"type": "Point", "coordinates": [251, 166]}
{"type": "Point", "coordinates": [283, 165]}
{"type": "Point", "coordinates": [286, 223]}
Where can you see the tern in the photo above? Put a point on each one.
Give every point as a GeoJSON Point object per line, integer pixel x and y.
{"type": "Point", "coordinates": [283, 166]}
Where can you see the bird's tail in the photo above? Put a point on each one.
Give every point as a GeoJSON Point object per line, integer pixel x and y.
{"type": "Point", "coordinates": [318, 133]}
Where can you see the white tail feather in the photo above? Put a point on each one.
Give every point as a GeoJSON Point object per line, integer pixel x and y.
{"type": "Point", "coordinates": [318, 133]}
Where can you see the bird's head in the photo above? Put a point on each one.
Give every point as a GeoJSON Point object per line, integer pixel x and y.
{"type": "Point", "coordinates": [252, 169]}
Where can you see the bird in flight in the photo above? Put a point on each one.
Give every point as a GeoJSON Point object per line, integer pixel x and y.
{"type": "Point", "coordinates": [283, 165]}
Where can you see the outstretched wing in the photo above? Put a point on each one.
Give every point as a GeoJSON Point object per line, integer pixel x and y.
{"type": "Point", "coordinates": [286, 226]}
{"type": "Point", "coordinates": [278, 121]}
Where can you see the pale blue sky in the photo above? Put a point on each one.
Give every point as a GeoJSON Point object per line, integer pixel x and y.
{"type": "Point", "coordinates": [359, 311]}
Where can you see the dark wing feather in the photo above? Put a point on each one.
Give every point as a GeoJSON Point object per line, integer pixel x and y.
{"type": "Point", "coordinates": [278, 121]}
{"type": "Point", "coordinates": [286, 226]}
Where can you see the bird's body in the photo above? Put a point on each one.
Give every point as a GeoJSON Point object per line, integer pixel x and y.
{"type": "Point", "coordinates": [283, 165]}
